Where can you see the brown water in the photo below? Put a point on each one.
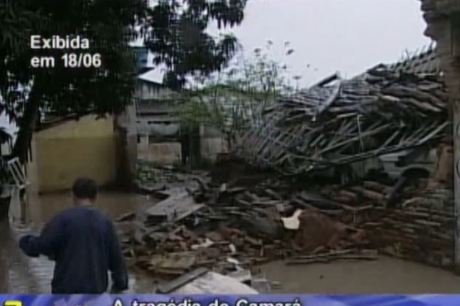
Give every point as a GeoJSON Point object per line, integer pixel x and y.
{"type": "Point", "coordinates": [385, 275]}
{"type": "Point", "coordinates": [20, 274]}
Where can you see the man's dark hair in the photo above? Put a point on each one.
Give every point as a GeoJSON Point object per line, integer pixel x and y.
{"type": "Point", "coordinates": [84, 188]}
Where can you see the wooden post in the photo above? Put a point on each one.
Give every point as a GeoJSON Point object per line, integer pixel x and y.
{"type": "Point", "coordinates": [454, 87]}
{"type": "Point", "coordinates": [445, 30]}
{"type": "Point", "coordinates": [23, 198]}
{"type": "Point", "coordinates": [456, 133]}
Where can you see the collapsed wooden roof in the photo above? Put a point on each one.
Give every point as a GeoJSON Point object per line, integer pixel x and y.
{"type": "Point", "coordinates": [384, 110]}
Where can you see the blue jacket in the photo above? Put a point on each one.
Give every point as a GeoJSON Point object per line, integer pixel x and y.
{"type": "Point", "coordinates": [84, 245]}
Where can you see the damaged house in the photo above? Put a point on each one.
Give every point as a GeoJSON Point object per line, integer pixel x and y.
{"type": "Point", "coordinates": [384, 137]}
{"type": "Point", "coordinates": [338, 123]}
{"type": "Point", "coordinates": [158, 128]}
{"type": "Point", "coordinates": [162, 136]}
{"type": "Point", "coordinates": [382, 141]}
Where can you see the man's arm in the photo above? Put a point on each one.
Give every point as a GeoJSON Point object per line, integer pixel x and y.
{"type": "Point", "coordinates": [117, 264]}
{"type": "Point", "coordinates": [45, 244]}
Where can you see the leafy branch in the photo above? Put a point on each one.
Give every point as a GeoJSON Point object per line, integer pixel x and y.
{"type": "Point", "coordinates": [235, 98]}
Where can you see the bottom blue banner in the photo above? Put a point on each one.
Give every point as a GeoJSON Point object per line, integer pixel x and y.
{"type": "Point", "coordinates": [229, 300]}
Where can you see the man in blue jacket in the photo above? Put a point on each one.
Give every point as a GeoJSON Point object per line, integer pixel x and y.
{"type": "Point", "coordinates": [83, 243]}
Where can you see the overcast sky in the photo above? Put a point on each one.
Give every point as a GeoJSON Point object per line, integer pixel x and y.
{"type": "Point", "coordinates": [333, 35]}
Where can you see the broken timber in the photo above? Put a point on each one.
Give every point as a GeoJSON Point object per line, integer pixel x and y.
{"type": "Point", "coordinates": [181, 281]}
{"type": "Point", "coordinates": [382, 111]}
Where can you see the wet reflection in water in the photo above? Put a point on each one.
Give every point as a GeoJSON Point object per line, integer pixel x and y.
{"type": "Point", "coordinates": [21, 274]}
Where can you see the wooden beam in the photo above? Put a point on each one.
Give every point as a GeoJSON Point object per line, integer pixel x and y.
{"type": "Point", "coordinates": [456, 38]}
{"type": "Point", "coordinates": [456, 133]}
{"type": "Point", "coordinates": [181, 281]}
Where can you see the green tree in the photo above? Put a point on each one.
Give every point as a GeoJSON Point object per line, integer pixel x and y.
{"type": "Point", "coordinates": [235, 98]}
{"type": "Point", "coordinates": [175, 31]}
{"type": "Point", "coordinates": [24, 90]}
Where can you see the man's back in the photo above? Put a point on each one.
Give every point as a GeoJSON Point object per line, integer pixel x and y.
{"type": "Point", "coordinates": [85, 247]}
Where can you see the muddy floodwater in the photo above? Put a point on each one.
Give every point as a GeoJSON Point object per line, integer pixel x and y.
{"type": "Point", "coordinates": [385, 275]}
{"type": "Point", "coordinates": [20, 274]}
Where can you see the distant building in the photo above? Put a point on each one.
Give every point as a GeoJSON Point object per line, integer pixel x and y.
{"type": "Point", "coordinates": [160, 136]}
{"type": "Point", "coordinates": [158, 129]}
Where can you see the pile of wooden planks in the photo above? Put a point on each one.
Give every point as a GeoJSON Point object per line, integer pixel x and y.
{"type": "Point", "coordinates": [339, 121]}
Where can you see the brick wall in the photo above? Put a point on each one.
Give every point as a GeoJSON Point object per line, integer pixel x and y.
{"type": "Point", "coordinates": [421, 230]}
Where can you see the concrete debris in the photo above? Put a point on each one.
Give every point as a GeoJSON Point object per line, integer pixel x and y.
{"type": "Point", "coordinates": [176, 207]}
{"type": "Point", "coordinates": [206, 244]}
{"type": "Point", "coordinates": [256, 217]}
{"type": "Point", "coordinates": [226, 225]}
{"type": "Point", "coordinates": [172, 263]}
{"type": "Point", "coordinates": [162, 180]}
{"type": "Point", "coordinates": [243, 275]}
{"type": "Point", "coordinates": [215, 283]}
{"type": "Point", "coordinates": [262, 285]}
{"type": "Point", "coordinates": [181, 281]}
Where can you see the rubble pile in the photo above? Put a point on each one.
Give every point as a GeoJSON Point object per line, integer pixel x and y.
{"type": "Point", "coordinates": [235, 225]}
{"type": "Point", "coordinates": [422, 229]}
{"type": "Point", "coordinates": [237, 217]}
{"type": "Point", "coordinates": [418, 225]}
{"type": "Point", "coordinates": [339, 122]}
{"type": "Point", "coordinates": [339, 125]}
{"type": "Point", "coordinates": [180, 233]}
{"type": "Point", "coordinates": [251, 219]}
{"type": "Point", "coordinates": [151, 177]}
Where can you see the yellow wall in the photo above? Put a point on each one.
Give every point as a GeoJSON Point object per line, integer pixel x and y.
{"type": "Point", "coordinates": [73, 149]}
